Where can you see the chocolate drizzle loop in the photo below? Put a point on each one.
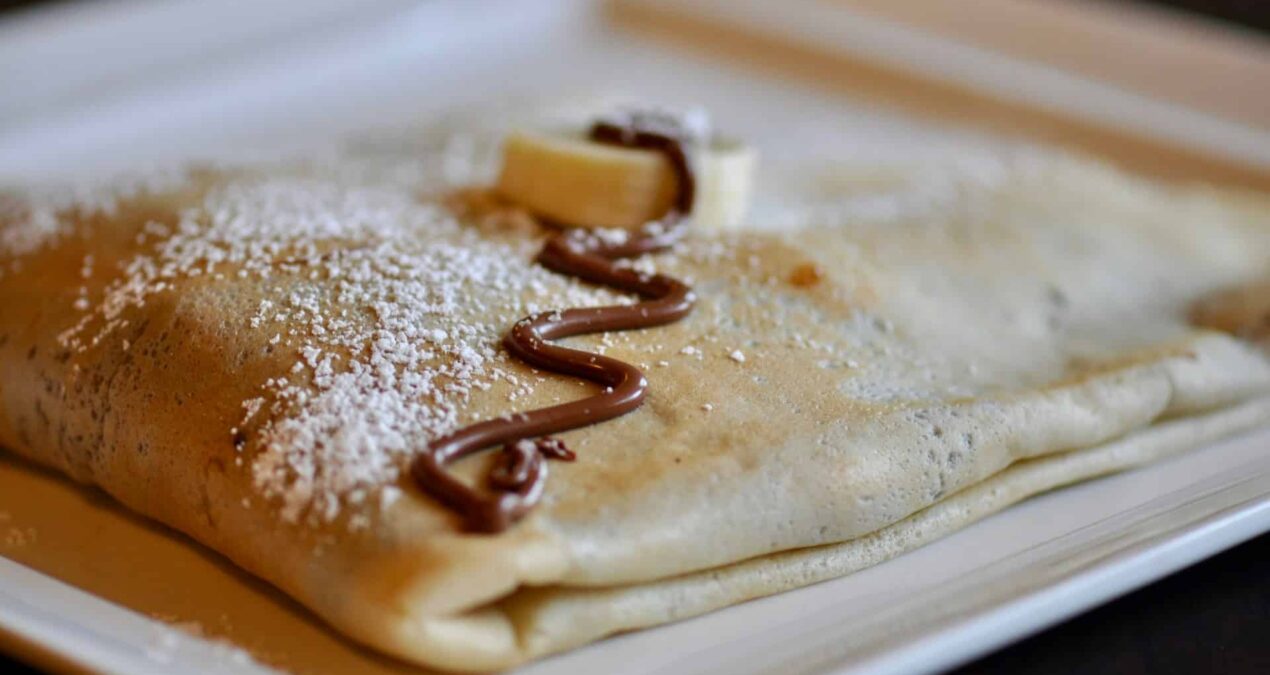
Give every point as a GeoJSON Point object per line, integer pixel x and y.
{"type": "Point", "coordinates": [517, 479]}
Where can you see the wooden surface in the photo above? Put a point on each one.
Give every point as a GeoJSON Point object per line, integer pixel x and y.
{"type": "Point", "coordinates": [916, 94]}
{"type": "Point", "coordinates": [1196, 64]}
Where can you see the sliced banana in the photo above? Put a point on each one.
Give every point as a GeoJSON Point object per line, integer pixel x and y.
{"type": "Point", "coordinates": [574, 181]}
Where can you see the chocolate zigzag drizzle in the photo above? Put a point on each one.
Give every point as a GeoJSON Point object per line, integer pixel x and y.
{"type": "Point", "coordinates": [516, 481]}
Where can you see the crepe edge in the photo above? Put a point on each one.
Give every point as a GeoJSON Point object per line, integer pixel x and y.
{"type": "Point", "coordinates": [534, 622]}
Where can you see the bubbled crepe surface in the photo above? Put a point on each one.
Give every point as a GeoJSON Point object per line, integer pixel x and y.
{"type": "Point", "coordinates": [973, 332]}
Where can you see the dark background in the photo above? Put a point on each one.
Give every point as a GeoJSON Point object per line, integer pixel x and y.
{"type": "Point", "coordinates": [1249, 13]}
{"type": "Point", "coordinates": [1211, 618]}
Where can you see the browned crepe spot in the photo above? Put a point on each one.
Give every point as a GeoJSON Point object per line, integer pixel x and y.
{"type": "Point", "coordinates": [805, 275]}
{"type": "Point", "coordinates": [1243, 311]}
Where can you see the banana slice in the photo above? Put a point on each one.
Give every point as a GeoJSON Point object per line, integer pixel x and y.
{"type": "Point", "coordinates": [577, 182]}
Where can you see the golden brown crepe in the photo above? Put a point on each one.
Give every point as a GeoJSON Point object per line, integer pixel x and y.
{"type": "Point", "coordinates": [253, 355]}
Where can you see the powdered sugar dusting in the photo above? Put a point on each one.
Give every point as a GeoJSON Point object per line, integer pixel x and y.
{"type": "Point", "coordinates": [393, 309]}
{"type": "Point", "coordinates": [33, 217]}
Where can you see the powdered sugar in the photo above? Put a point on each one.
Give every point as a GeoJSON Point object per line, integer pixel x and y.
{"type": "Point", "coordinates": [188, 641]}
{"type": "Point", "coordinates": [35, 216]}
{"type": "Point", "coordinates": [393, 309]}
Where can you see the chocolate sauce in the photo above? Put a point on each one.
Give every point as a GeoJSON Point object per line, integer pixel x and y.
{"type": "Point", "coordinates": [516, 481]}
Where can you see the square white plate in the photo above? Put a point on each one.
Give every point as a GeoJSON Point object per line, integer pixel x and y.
{"type": "Point", "coordinates": [93, 86]}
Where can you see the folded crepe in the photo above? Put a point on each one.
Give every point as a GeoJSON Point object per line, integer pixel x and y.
{"type": "Point", "coordinates": [254, 355]}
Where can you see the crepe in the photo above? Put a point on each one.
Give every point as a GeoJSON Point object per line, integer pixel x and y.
{"type": "Point", "coordinates": [885, 354]}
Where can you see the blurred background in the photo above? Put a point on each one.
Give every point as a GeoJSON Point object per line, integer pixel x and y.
{"type": "Point", "coordinates": [1250, 13]}
{"type": "Point", "coordinates": [1175, 88]}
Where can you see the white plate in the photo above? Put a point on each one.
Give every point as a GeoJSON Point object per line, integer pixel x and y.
{"type": "Point", "coordinates": [79, 98]}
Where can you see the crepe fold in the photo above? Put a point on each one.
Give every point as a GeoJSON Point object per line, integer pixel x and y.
{"type": "Point", "coordinates": [902, 356]}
